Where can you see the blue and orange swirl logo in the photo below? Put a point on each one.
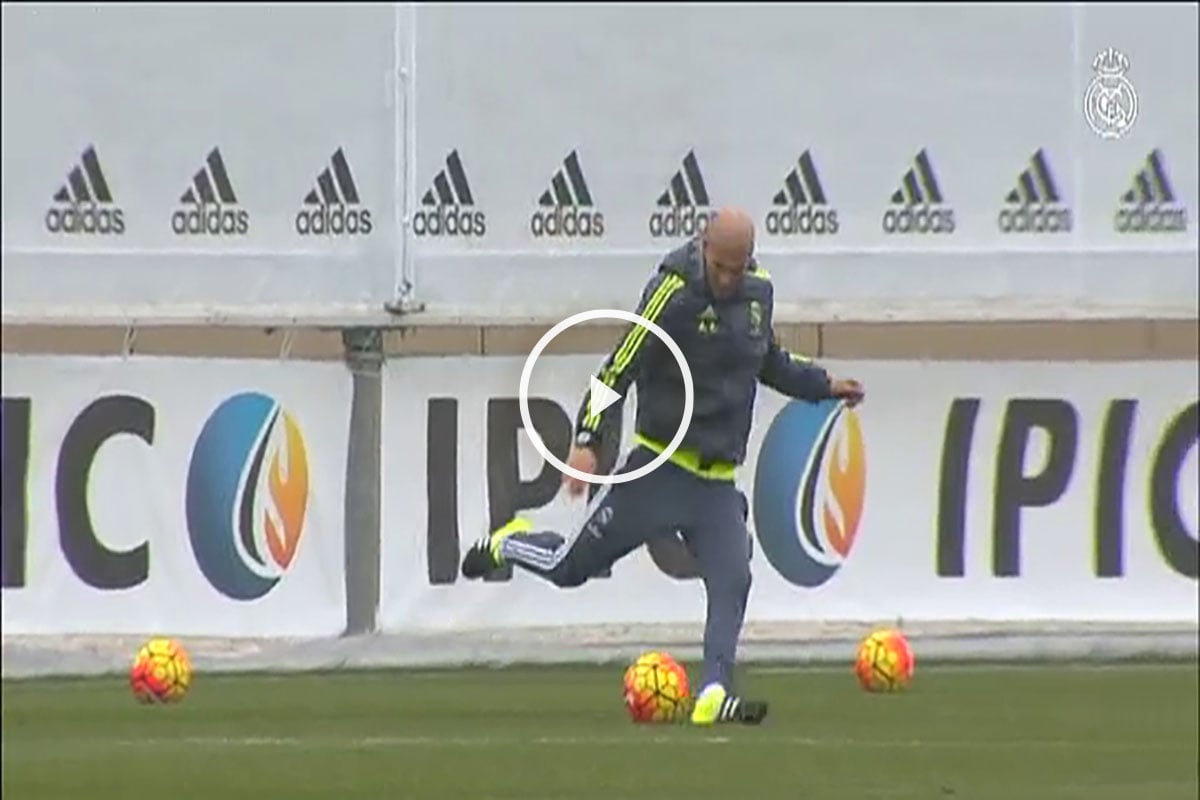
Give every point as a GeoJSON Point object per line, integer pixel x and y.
{"type": "Point", "coordinates": [247, 495]}
{"type": "Point", "coordinates": [810, 489]}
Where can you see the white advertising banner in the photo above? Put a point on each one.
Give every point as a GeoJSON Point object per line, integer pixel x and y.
{"type": "Point", "coordinates": [958, 491]}
{"type": "Point", "coordinates": [170, 495]}
{"type": "Point", "coordinates": [981, 154]}
{"type": "Point", "coordinates": [199, 159]}
{"type": "Point", "coordinates": [323, 158]}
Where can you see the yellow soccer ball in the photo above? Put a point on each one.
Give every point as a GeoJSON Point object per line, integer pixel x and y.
{"type": "Point", "coordinates": [656, 689]}
{"type": "Point", "coordinates": [161, 672]}
{"type": "Point", "coordinates": [885, 662]}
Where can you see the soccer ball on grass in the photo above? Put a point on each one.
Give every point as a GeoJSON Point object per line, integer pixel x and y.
{"type": "Point", "coordinates": [656, 689]}
{"type": "Point", "coordinates": [161, 672]}
{"type": "Point", "coordinates": [885, 662]}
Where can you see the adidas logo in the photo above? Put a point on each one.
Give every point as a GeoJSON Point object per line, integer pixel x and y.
{"type": "Point", "coordinates": [211, 205]}
{"type": "Point", "coordinates": [1035, 205]}
{"type": "Point", "coordinates": [800, 206]}
{"type": "Point", "coordinates": [331, 208]}
{"type": "Point", "coordinates": [563, 216]}
{"type": "Point", "coordinates": [448, 205]}
{"type": "Point", "coordinates": [922, 207]}
{"type": "Point", "coordinates": [84, 204]}
{"type": "Point", "coordinates": [1150, 205]}
{"type": "Point", "coordinates": [683, 205]}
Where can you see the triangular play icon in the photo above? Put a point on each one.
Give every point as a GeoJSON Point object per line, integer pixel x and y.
{"type": "Point", "coordinates": [600, 396]}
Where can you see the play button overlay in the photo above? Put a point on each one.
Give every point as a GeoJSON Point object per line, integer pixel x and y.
{"type": "Point", "coordinates": [601, 396]}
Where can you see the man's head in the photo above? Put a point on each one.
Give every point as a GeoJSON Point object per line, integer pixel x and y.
{"type": "Point", "coordinates": [728, 242]}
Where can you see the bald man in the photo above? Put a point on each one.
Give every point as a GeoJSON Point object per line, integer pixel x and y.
{"type": "Point", "coordinates": [711, 297]}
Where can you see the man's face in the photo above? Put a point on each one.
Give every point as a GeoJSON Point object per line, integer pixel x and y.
{"type": "Point", "coordinates": [725, 265]}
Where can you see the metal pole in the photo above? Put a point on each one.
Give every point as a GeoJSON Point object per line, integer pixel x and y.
{"type": "Point", "coordinates": [364, 358]}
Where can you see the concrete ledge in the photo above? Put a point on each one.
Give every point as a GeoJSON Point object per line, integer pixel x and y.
{"type": "Point", "coordinates": [519, 340]}
{"type": "Point", "coordinates": [432, 341]}
{"type": "Point", "coordinates": [1091, 341]}
{"type": "Point", "coordinates": [1175, 338]}
{"type": "Point", "coordinates": [65, 340]}
{"type": "Point", "coordinates": [977, 341]}
{"type": "Point", "coordinates": [296, 343]}
{"type": "Point", "coordinates": [762, 643]}
{"type": "Point", "coordinates": [291, 343]}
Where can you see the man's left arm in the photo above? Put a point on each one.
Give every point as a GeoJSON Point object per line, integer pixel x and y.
{"type": "Point", "coordinates": [799, 377]}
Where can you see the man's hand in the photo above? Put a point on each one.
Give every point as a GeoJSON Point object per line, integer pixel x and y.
{"type": "Point", "coordinates": [849, 390]}
{"type": "Point", "coordinates": [584, 460]}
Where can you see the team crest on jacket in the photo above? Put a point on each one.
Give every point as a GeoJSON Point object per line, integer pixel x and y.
{"type": "Point", "coordinates": [756, 318]}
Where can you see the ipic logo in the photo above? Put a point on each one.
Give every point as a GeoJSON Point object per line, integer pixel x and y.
{"type": "Point", "coordinates": [800, 207]}
{"type": "Point", "coordinates": [810, 490]}
{"type": "Point", "coordinates": [447, 207]}
{"type": "Point", "coordinates": [918, 206]}
{"type": "Point", "coordinates": [683, 205]}
{"type": "Point", "coordinates": [1095, 455]}
{"type": "Point", "coordinates": [333, 208]}
{"type": "Point", "coordinates": [84, 204]}
{"type": "Point", "coordinates": [1150, 205]}
{"type": "Point", "coordinates": [567, 209]}
{"type": "Point", "coordinates": [209, 204]}
{"type": "Point", "coordinates": [247, 495]}
{"type": "Point", "coordinates": [1035, 205]}
{"type": "Point", "coordinates": [247, 491]}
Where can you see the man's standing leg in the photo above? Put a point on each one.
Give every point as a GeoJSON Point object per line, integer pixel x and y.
{"type": "Point", "coordinates": [720, 542]}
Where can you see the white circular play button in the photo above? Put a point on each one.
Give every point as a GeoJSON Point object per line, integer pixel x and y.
{"type": "Point", "coordinates": [601, 396]}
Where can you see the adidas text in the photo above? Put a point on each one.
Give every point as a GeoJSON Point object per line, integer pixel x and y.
{"type": "Point", "coordinates": [807, 220]}
{"type": "Point", "coordinates": [918, 219]}
{"type": "Point", "coordinates": [687, 221]}
{"type": "Point", "coordinates": [1035, 219]}
{"type": "Point", "coordinates": [86, 218]}
{"type": "Point", "coordinates": [449, 221]}
{"type": "Point", "coordinates": [333, 221]}
{"type": "Point", "coordinates": [567, 222]}
{"type": "Point", "coordinates": [1151, 219]}
{"type": "Point", "coordinates": [210, 218]}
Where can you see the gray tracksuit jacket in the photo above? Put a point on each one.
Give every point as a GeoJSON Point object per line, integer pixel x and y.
{"type": "Point", "coordinates": [729, 346]}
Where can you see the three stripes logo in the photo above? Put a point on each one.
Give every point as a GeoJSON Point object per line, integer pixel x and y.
{"type": "Point", "coordinates": [1150, 205]}
{"type": "Point", "coordinates": [918, 205]}
{"type": "Point", "coordinates": [448, 207]}
{"type": "Point", "coordinates": [565, 205]}
{"type": "Point", "coordinates": [84, 203]}
{"type": "Point", "coordinates": [1035, 205]}
{"type": "Point", "coordinates": [332, 207]}
{"type": "Point", "coordinates": [801, 206]}
{"type": "Point", "coordinates": [683, 205]}
{"type": "Point", "coordinates": [209, 204]}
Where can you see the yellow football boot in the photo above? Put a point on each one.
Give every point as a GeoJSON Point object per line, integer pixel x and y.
{"type": "Point", "coordinates": [484, 555]}
{"type": "Point", "coordinates": [714, 705]}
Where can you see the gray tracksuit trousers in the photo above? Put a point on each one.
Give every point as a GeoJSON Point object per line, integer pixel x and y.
{"type": "Point", "coordinates": [711, 516]}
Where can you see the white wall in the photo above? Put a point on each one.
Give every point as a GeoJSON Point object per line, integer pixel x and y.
{"type": "Point", "coordinates": [154, 90]}
{"type": "Point", "coordinates": [514, 90]}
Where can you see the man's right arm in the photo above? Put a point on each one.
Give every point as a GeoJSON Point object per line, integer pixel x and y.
{"type": "Point", "coordinates": [620, 368]}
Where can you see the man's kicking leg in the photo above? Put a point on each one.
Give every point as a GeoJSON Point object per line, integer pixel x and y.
{"type": "Point", "coordinates": [621, 518]}
{"type": "Point", "coordinates": [721, 545]}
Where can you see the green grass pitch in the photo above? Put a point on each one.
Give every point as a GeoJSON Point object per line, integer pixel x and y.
{"type": "Point", "coordinates": [1047, 732]}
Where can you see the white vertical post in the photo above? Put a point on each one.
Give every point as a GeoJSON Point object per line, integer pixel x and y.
{"type": "Point", "coordinates": [404, 152]}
